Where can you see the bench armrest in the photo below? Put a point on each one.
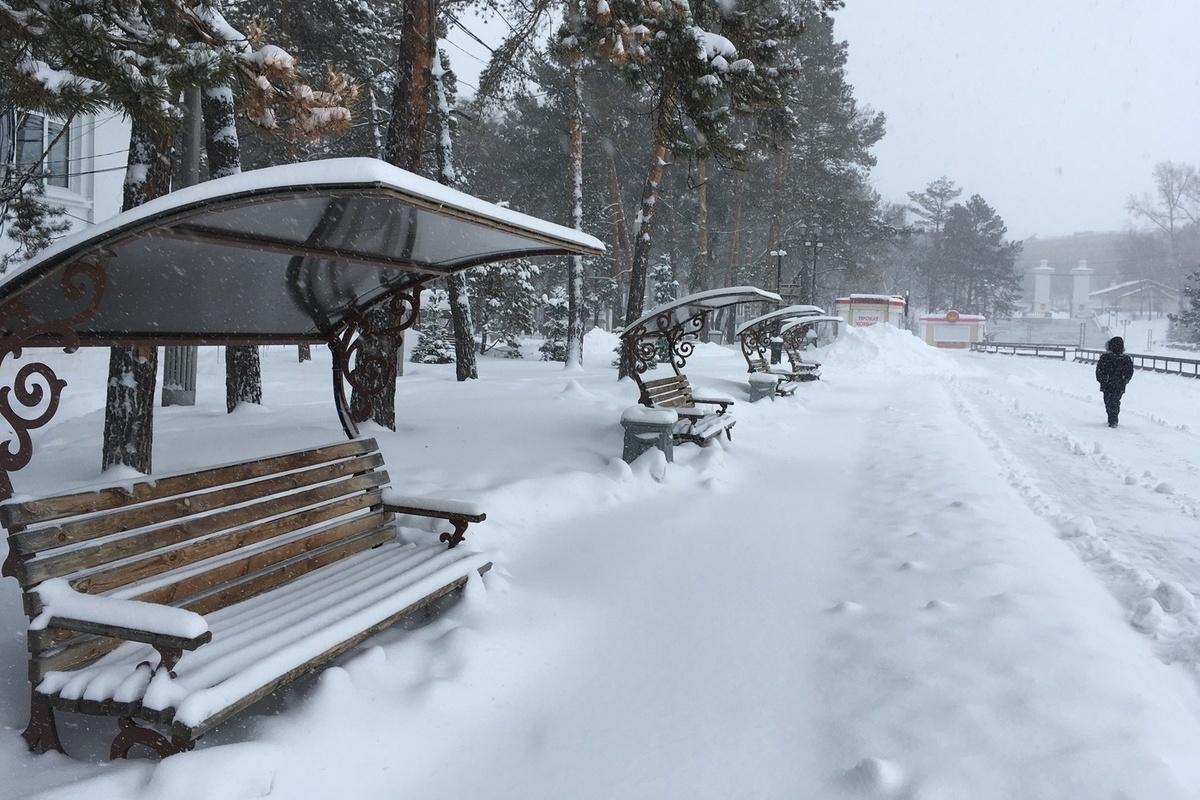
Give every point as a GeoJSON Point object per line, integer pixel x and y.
{"type": "Point", "coordinates": [458, 513]}
{"type": "Point", "coordinates": [713, 400]}
{"type": "Point", "coordinates": [132, 620]}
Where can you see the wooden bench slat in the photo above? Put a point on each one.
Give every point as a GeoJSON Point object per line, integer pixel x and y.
{"type": "Point", "coordinates": [45, 539]}
{"type": "Point", "coordinates": [69, 656]}
{"type": "Point", "coordinates": [296, 554]}
{"type": "Point", "coordinates": [16, 515]}
{"type": "Point", "coordinates": [39, 569]}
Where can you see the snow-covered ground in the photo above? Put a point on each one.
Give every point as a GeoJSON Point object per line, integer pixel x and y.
{"type": "Point", "coordinates": [928, 575]}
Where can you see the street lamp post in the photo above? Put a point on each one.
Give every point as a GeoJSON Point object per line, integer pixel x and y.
{"type": "Point", "coordinates": [812, 240]}
{"type": "Point", "coordinates": [778, 256]}
{"type": "Point", "coordinates": [776, 345]}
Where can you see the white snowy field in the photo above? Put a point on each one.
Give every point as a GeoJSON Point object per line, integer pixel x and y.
{"type": "Point", "coordinates": [928, 575]}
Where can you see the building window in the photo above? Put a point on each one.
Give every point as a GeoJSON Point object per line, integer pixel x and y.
{"type": "Point", "coordinates": [24, 137]}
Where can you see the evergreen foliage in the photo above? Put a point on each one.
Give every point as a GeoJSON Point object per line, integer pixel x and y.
{"type": "Point", "coordinates": [1185, 326]}
{"type": "Point", "coordinates": [504, 297]}
{"type": "Point", "coordinates": [32, 223]}
{"type": "Point", "coordinates": [554, 308]}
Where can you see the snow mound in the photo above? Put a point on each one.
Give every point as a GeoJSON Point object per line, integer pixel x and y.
{"type": "Point", "coordinates": [597, 343]}
{"type": "Point", "coordinates": [1148, 617]}
{"type": "Point", "coordinates": [1173, 597]}
{"type": "Point", "coordinates": [885, 349]}
{"type": "Point", "coordinates": [878, 776]}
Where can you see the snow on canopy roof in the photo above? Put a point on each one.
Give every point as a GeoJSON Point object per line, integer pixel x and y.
{"type": "Point", "coordinates": [890, 299]}
{"type": "Point", "coordinates": [680, 311]}
{"type": "Point", "coordinates": [282, 253]}
{"type": "Point", "coordinates": [792, 323]}
{"type": "Point", "coordinates": [779, 313]}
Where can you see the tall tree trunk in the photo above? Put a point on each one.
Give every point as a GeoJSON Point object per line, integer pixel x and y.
{"type": "Point", "coordinates": [703, 263]}
{"type": "Point", "coordinates": [622, 250]}
{"type": "Point", "coordinates": [405, 137]}
{"type": "Point", "coordinates": [735, 240]}
{"type": "Point", "coordinates": [133, 371]}
{"type": "Point", "coordinates": [635, 304]}
{"type": "Point", "coordinates": [243, 370]}
{"type": "Point", "coordinates": [575, 263]}
{"type": "Point", "coordinates": [465, 366]}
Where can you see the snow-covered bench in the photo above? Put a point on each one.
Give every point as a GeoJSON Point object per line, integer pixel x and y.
{"type": "Point", "coordinates": [767, 381]}
{"type": "Point", "coordinates": [695, 424]}
{"type": "Point", "coordinates": [805, 370]}
{"type": "Point", "coordinates": [180, 601]}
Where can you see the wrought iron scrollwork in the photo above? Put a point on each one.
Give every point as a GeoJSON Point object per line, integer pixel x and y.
{"type": "Point", "coordinates": [664, 336]}
{"type": "Point", "coordinates": [32, 399]}
{"type": "Point", "coordinates": [756, 340]}
{"type": "Point", "coordinates": [355, 366]}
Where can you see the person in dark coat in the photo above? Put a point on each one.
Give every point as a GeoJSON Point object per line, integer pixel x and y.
{"type": "Point", "coordinates": [1114, 371]}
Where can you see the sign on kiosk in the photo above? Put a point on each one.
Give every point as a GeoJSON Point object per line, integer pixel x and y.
{"type": "Point", "coordinates": [952, 330]}
{"type": "Point", "coordinates": [865, 310]}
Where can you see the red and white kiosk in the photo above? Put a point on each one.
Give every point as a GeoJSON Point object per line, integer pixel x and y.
{"type": "Point", "coordinates": [865, 310]}
{"type": "Point", "coordinates": [952, 330]}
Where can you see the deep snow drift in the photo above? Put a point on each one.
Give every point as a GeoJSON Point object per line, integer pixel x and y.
{"type": "Point", "coordinates": [928, 575]}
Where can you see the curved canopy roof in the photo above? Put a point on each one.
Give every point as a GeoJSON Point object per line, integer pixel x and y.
{"type": "Point", "coordinates": [779, 314]}
{"type": "Point", "coordinates": [679, 312]}
{"type": "Point", "coordinates": [279, 254]}
{"type": "Point", "coordinates": [807, 320]}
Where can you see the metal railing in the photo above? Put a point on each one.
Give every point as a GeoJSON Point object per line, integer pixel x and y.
{"type": "Point", "coordinates": [1188, 367]}
{"type": "Point", "coordinates": [1168, 365]}
{"type": "Point", "coordinates": [1023, 349]}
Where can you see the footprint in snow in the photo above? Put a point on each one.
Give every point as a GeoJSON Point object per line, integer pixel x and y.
{"type": "Point", "coordinates": [939, 606]}
{"type": "Point", "coordinates": [878, 776]}
{"type": "Point", "coordinates": [1148, 617]}
{"type": "Point", "coordinates": [909, 566]}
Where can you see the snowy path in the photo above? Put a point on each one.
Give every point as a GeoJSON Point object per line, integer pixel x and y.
{"type": "Point", "coordinates": [1128, 500]}
{"type": "Point", "coordinates": [914, 579]}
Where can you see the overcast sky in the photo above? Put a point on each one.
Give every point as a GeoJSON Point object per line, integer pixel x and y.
{"type": "Point", "coordinates": [1054, 112]}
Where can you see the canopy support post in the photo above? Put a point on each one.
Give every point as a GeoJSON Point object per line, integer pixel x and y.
{"type": "Point", "coordinates": [35, 387]}
{"type": "Point", "coordinates": [367, 375]}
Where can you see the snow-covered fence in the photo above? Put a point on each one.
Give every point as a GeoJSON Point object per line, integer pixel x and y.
{"type": "Point", "coordinates": [1022, 349]}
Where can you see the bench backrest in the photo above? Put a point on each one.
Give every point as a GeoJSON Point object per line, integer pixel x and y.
{"type": "Point", "coordinates": [759, 365]}
{"type": "Point", "coordinates": [199, 541]}
{"type": "Point", "coordinates": [796, 356]}
{"type": "Point", "coordinates": [671, 392]}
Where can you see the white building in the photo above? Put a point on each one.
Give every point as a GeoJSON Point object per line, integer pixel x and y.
{"type": "Point", "coordinates": [84, 168]}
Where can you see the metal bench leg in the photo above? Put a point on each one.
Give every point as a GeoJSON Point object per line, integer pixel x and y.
{"type": "Point", "coordinates": [133, 734]}
{"type": "Point", "coordinates": [41, 734]}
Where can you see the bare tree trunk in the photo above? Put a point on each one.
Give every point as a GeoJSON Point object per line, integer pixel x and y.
{"type": "Point", "coordinates": [735, 244]}
{"type": "Point", "coordinates": [575, 263]}
{"type": "Point", "coordinates": [635, 304]}
{"type": "Point", "coordinates": [465, 366]}
{"type": "Point", "coordinates": [622, 250]}
{"type": "Point", "coordinates": [133, 371]}
{"type": "Point", "coordinates": [405, 137]}
{"type": "Point", "coordinates": [243, 369]}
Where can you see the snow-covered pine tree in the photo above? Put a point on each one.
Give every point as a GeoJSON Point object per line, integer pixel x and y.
{"type": "Point", "coordinates": [503, 300]}
{"type": "Point", "coordinates": [554, 328]}
{"type": "Point", "coordinates": [31, 223]}
{"type": "Point", "coordinates": [434, 343]}
{"type": "Point", "coordinates": [1185, 326]}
